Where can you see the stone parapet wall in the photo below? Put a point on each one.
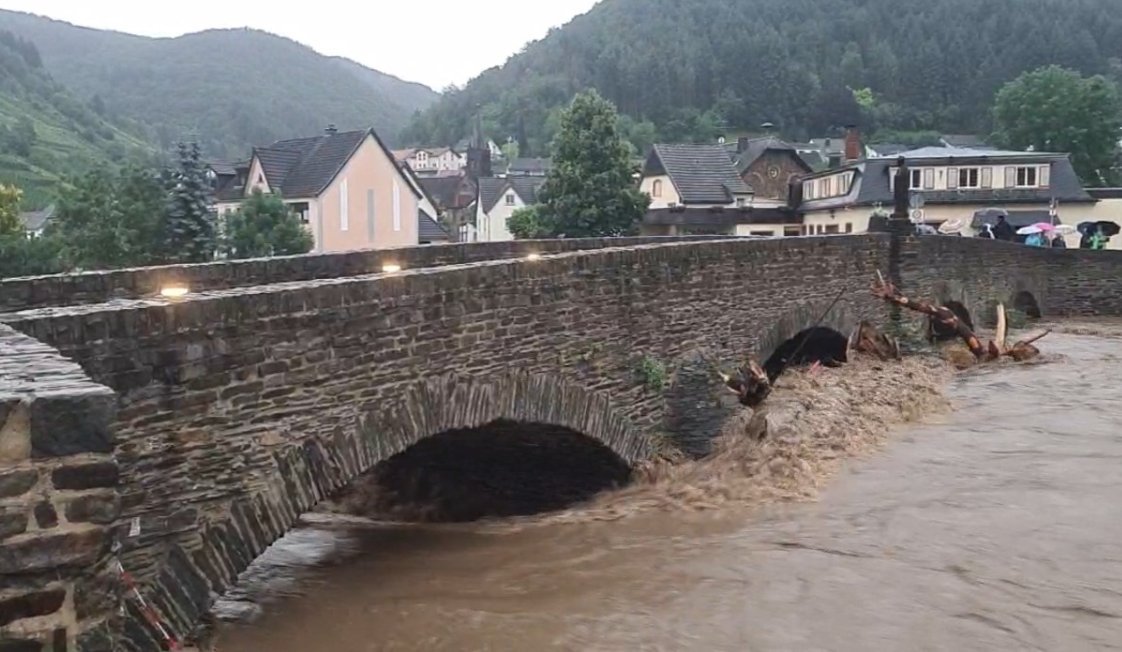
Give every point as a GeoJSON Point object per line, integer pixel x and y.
{"type": "Point", "coordinates": [100, 286]}
{"type": "Point", "coordinates": [240, 408]}
{"type": "Point", "coordinates": [58, 501]}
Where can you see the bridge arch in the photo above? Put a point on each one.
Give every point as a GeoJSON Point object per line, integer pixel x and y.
{"type": "Point", "coordinates": [308, 472]}
{"type": "Point", "coordinates": [808, 319]}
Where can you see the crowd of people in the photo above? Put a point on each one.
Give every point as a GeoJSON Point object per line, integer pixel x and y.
{"type": "Point", "coordinates": [1090, 238]}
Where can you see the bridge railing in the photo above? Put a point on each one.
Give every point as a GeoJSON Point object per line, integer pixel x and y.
{"type": "Point", "coordinates": [27, 293]}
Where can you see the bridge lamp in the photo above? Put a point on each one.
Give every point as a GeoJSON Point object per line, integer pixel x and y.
{"type": "Point", "coordinates": [391, 268]}
{"type": "Point", "coordinates": [174, 291]}
{"type": "Point", "coordinates": [534, 256]}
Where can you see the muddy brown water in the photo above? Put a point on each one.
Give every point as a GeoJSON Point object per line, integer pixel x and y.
{"type": "Point", "coordinates": [996, 526]}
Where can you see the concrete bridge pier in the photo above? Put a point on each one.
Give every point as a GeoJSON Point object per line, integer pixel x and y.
{"type": "Point", "coordinates": [59, 589]}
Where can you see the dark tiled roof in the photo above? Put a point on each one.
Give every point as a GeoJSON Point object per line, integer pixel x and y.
{"type": "Point", "coordinates": [429, 230]}
{"type": "Point", "coordinates": [222, 168]}
{"type": "Point", "coordinates": [530, 166]}
{"type": "Point", "coordinates": [35, 220]}
{"type": "Point", "coordinates": [1105, 193]}
{"type": "Point", "coordinates": [757, 147]}
{"type": "Point", "coordinates": [491, 189]}
{"type": "Point", "coordinates": [702, 174]}
{"type": "Point", "coordinates": [719, 217]}
{"type": "Point", "coordinates": [445, 191]}
{"type": "Point", "coordinates": [304, 167]}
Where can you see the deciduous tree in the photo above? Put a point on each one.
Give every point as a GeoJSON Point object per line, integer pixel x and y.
{"type": "Point", "coordinates": [1053, 109]}
{"type": "Point", "coordinates": [590, 191]}
{"type": "Point", "coordinates": [265, 226]}
{"type": "Point", "coordinates": [10, 223]}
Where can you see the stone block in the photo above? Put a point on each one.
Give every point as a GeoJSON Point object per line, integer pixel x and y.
{"type": "Point", "coordinates": [13, 521]}
{"type": "Point", "coordinates": [17, 483]}
{"type": "Point", "coordinates": [30, 605]}
{"type": "Point", "coordinates": [101, 508]}
{"type": "Point", "coordinates": [69, 424]}
{"type": "Point", "coordinates": [93, 475]}
{"type": "Point", "coordinates": [46, 515]}
{"type": "Point", "coordinates": [34, 552]}
{"type": "Point", "coordinates": [15, 430]}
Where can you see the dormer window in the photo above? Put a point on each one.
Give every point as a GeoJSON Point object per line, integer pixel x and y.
{"type": "Point", "coordinates": [510, 199]}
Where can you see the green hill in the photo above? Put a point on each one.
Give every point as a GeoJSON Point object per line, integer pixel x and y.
{"type": "Point", "coordinates": [226, 89]}
{"type": "Point", "coordinates": [692, 67]}
{"type": "Point", "coordinates": [46, 132]}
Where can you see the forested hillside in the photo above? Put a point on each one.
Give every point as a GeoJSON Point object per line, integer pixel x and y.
{"type": "Point", "coordinates": [47, 133]}
{"type": "Point", "coordinates": [226, 89]}
{"type": "Point", "coordinates": [684, 69]}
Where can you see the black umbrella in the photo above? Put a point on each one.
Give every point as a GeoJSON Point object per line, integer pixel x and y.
{"type": "Point", "coordinates": [1109, 229]}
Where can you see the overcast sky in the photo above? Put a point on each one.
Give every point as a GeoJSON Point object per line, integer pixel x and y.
{"type": "Point", "coordinates": [436, 42]}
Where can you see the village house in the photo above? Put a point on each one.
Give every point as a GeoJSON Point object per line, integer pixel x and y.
{"type": "Point", "coordinates": [529, 167]}
{"type": "Point", "coordinates": [770, 167]}
{"type": "Point", "coordinates": [498, 199]}
{"type": "Point", "coordinates": [345, 186]}
{"type": "Point", "coordinates": [426, 161]}
{"type": "Point", "coordinates": [454, 197]}
{"type": "Point", "coordinates": [34, 222]}
{"type": "Point", "coordinates": [696, 189]}
{"type": "Point", "coordinates": [948, 184]}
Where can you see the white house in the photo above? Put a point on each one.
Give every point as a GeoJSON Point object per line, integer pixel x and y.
{"type": "Point", "coordinates": [427, 161]}
{"type": "Point", "coordinates": [498, 199]}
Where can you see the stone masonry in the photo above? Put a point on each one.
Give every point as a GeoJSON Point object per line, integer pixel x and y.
{"type": "Point", "coordinates": [241, 406]}
{"type": "Point", "coordinates": [58, 499]}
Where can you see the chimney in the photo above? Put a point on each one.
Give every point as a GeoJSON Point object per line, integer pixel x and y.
{"type": "Point", "coordinates": [331, 130]}
{"type": "Point", "coordinates": [852, 144]}
{"type": "Point", "coordinates": [741, 144]}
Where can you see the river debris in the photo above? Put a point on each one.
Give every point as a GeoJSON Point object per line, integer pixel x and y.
{"type": "Point", "coordinates": [750, 383]}
{"type": "Point", "coordinates": [867, 339]}
{"type": "Point", "coordinates": [996, 349]}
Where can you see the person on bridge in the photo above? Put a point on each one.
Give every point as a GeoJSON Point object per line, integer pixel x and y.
{"type": "Point", "coordinates": [1003, 230]}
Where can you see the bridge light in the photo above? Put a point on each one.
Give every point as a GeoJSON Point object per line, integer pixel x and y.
{"type": "Point", "coordinates": [390, 268]}
{"type": "Point", "coordinates": [534, 256]}
{"type": "Point", "coordinates": [174, 291]}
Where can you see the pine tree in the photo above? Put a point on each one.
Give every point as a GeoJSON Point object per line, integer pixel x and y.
{"type": "Point", "coordinates": [590, 191]}
{"type": "Point", "coordinates": [189, 229]}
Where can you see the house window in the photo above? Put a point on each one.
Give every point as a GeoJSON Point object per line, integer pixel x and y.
{"type": "Point", "coordinates": [1045, 176]}
{"type": "Point", "coordinates": [656, 188]}
{"type": "Point", "coordinates": [808, 190]}
{"type": "Point", "coordinates": [740, 202]}
{"type": "Point", "coordinates": [422, 157]}
{"type": "Point", "coordinates": [969, 178]}
{"type": "Point", "coordinates": [344, 214]}
{"type": "Point", "coordinates": [396, 206]}
{"type": "Point", "coordinates": [1026, 177]}
{"type": "Point", "coordinates": [301, 211]}
{"type": "Point", "coordinates": [929, 179]}
{"type": "Point", "coordinates": [849, 227]}
{"type": "Point", "coordinates": [987, 177]}
{"type": "Point", "coordinates": [916, 179]}
{"type": "Point", "coordinates": [791, 231]}
{"type": "Point", "coordinates": [510, 199]}
{"type": "Point", "coordinates": [831, 228]}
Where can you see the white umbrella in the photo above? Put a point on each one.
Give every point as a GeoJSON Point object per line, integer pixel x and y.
{"type": "Point", "coordinates": [1064, 229]}
{"type": "Point", "coordinates": [951, 226]}
{"type": "Point", "coordinates": [1029, 230]}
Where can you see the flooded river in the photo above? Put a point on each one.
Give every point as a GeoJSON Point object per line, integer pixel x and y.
{"type": "Point", "coordinates": [994, 526]}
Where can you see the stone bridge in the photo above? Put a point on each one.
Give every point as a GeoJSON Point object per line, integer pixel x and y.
{"type": "Point", "coordinates": [180, 437]}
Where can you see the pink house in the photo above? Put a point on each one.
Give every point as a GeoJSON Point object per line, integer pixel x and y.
{"type": "Point", "coordinates": [344, 185]}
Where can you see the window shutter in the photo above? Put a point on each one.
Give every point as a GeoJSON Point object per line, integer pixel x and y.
{"type": "Point", "coordinates": [987, 177]}
{"type": "Point", "coordinates": [1010, 177]}
{"type": "Point", "coordinates": [1045, 176]}
{"type": "Point", "coordinates": [952, 178]}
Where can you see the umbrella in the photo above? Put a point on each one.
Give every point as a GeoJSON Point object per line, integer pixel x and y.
{"type": "Point", "coordinates": [1109, 229]}
{"type": "Point", "coordinates": [1044, 226]}
{"type": "Point", "coordinates": [951, 227]}
{"type": "Point", "coordinates": [1064, 229]}
{"type": "Point", "coordinates": [1029, 230]}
